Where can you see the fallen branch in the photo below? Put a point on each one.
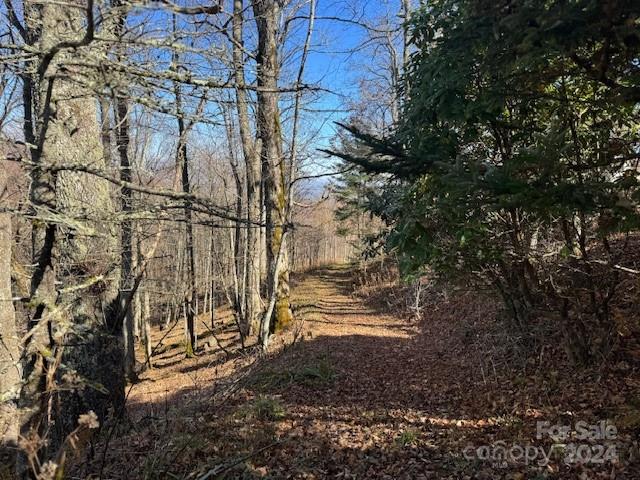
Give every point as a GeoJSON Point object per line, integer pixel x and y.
{"type": "Point", "coordinates": [217, 470]}
{"type": "Point", "coordinates": [215, 337]}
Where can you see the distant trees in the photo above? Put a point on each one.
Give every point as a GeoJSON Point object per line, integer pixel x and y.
{"type": "Point", "coordinates": [376, 111]}
{"type": "Point", "coordinates": [134, 212]}
{"type": "Point", "coordinates": [515, 159]}
{"type": "Point", "coordinates": [318, 238]}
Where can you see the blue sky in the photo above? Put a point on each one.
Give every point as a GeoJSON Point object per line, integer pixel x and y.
{"type": "Point", "coordinates": [335, 61]}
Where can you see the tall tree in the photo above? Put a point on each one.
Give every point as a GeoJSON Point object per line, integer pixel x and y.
{"type": "Point", "coordinates": [10, 372]}
{"type": "Point", "coordinates": [67, 348]}
{"type": "Point", "coordinates": [267, 16]}
{"type": "Point", "coordinates": [251, 152]}
{"type": "Point", "coordinates": [236, 238]}
{"type": "Point", "coordinates": [37, 92]}
{"type": "Point", "coordinates": [126, 304]}
{"type": "Point", "coordinates": [182, 166]}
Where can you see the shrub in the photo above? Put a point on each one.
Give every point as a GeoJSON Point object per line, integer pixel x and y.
{"type": "Point", "coordinates": [515, 160]}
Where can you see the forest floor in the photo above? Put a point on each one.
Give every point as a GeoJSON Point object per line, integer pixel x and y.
{"type": "Point", "coordinates": [354, 391]}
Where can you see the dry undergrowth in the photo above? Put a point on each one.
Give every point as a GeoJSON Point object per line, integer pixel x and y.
{"type": "Point", "coordinates": [363, 393]}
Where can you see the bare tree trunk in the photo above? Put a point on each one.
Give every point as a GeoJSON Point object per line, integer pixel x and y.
{"type": "Point", "coordinates": [207, 278]}
{"type": "Point", "coordinates": [236, 237]}
{"type": "Point", "coordinates": [126, 240]}
{"type": "Point", "coordinates": [42, 290]}
{"type": "Point", "coordinates": [138, 313]}
{"type": "Point", "coordinates": [266, 13]}
{"type": "Point", "coordinates": [212, 284]}
{"type": "Point", "coordinates": [191, 292]}
{"type": "Point", "coordinates": [174, 310]}
{"type": "Point", "coordinates": [167, 321]}
{"type": "Point", "coordinates": [137, 300]}
{"type": "Point", "coordinates": [42, 197]}
{"type": "Point", "coordinates": [146, 329]}
{"type": "Point", "coordinates": [264, 267]}
{"type": "Point", "coordinates": [252, 161]}
{"type": "Point", "coordinates": [10, 372]}
{"type": "Point", "coordinates": [61, 126]}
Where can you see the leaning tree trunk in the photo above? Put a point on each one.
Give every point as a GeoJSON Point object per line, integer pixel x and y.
{"type": "Point", "coordinates": [266, 13]}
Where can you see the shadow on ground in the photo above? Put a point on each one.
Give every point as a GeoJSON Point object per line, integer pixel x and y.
{"type": "Point", "coordinates": [362, 394]}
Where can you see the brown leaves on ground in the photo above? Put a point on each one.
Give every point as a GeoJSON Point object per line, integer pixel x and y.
{"type": "Point", "coordinates": [365, 394]}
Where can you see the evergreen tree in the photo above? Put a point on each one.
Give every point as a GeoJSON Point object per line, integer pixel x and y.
{"type": "Point", "coordinates": [517, 153]}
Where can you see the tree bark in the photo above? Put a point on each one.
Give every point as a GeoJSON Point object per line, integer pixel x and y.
{"type": "Point", "coordinates": [61, 126]}
{"type": "Point", "coordinates": [42, 198]}
{"type": "Point", "coordinates": [146, 328]}
{"type": "Point", "coordinates": [253, 173]}
{"type": "Point", "coordinates": [10, 372]}
{"type": "Point", "coordinates": [191, 291]}
{"type": "Point", "coordinates": [266, 13]}
{"type": "Point", "coordinates": [126, 241]}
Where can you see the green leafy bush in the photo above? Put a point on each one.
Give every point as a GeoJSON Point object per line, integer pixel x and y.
{"type": "Point", "coordinates": [515, 160]}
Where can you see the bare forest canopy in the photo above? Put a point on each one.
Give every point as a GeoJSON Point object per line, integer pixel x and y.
{"type": "Point", "coordinates": [177, 177]}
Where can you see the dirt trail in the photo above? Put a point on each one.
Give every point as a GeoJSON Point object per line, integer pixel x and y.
{"type": "Point", "coordinates": [393, 407]}
{"type": "Point", "coordinates": [324, 300]}
{"type": "Point", "coordinates": [363, 394]}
